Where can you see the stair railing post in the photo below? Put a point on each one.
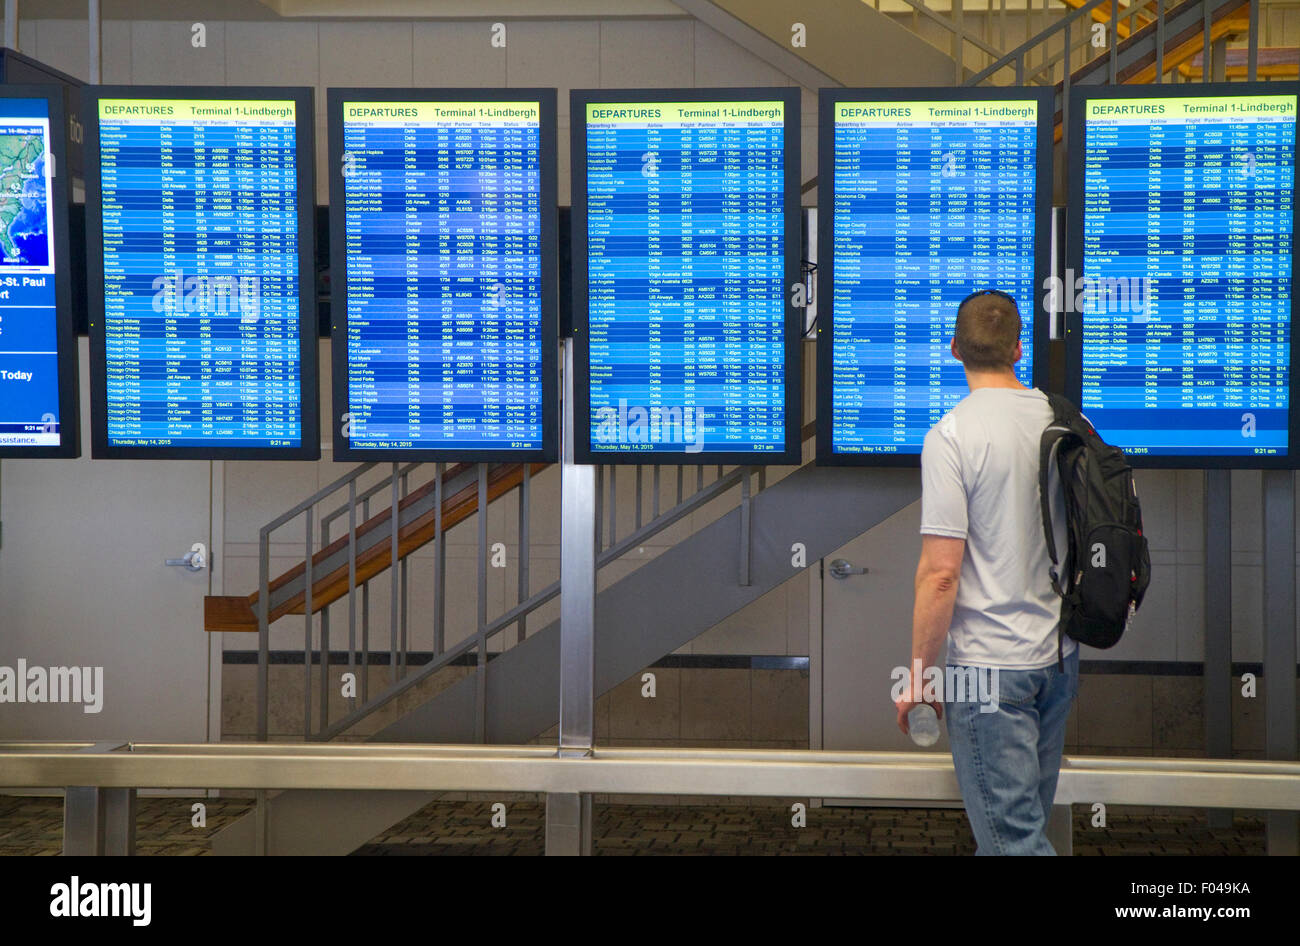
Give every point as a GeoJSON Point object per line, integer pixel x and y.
{"type": "Point", "coordinates": [324, 644]}
{"type": "Point", "coordinates": [404, 642]}
{"type": "Point", "coordinates": [1114, 42]}
{"type": "Point", "coordinates": [439, 567]}
{"type": "Point", "coordinates": [480, 669]}
{"type": "Point", "coordinates": [1252, 42]}
{"type": "Point", "coordinates": [365, 615]}
{"type": "Point", "coordinates": [958, 38]}
{"type": "Point", "coordinates": [352, 586]}
{"type": "Point", "coordinates": [1206, 57]}
{"type": "Point", "coordinates": [306, 626]}
{"type": "Point", "coordinates": [744, 526]}
{"type": "Point", "coordinates": [263, 631]}
{"type": "Point", "coordinates": [1160, 41]}
{"type": "Point", "coordinates": [639, 492]}
{"type": "Point", "coordinates": [524, 541]}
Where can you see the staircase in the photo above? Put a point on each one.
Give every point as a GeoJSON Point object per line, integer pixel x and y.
{"type": "Point", "coordinates": [637, 623]}
{"type": "Point", "coordinates": [512, 694]}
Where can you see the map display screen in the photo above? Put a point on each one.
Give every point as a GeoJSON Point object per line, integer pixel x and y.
{"type": "Point", "coordinates": [34, 344]}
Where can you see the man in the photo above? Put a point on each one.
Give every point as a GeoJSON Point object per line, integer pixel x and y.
{"type": "Point", "coordinates": [983, 582]}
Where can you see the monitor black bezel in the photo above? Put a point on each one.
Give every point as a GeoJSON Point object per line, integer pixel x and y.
{"type": "Point", "coordinates": [308, 336]}
{"type": "Point", "coordinates": [1039, 332]}
{"type": "Point", "coordinates": [1079, 96]}
{"type": "Point", "coordinates": [579, 99]}
{"type": "Point", "coordinates": [549, 450]}
{"type": "Point", "coordinates": [66, 360]}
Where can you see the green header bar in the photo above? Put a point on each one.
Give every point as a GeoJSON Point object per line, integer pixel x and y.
{"type": "Point", "coordinates": [1183, 109]}
{"type": "Point", "coordinates": [152, 111]}
{"type": "Point", "coordinates": [893, 113]}
{"type": "Point", "coordinates": [684, 113]}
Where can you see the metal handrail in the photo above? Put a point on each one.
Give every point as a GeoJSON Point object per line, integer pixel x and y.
{"type": "Point", "coordinates": [1067, 48]}
{"type": "Point", "coordinates": [911, 776]}
{"type": "Point", "coordinates": [402, 680]}
{"type": "Point", "coordinates": [920, 7]}
{"type": "Point", "coordinates": [1018, 54]}
{"type": "Point", "coordinates": [349, 477]}
{"type": "Point", "coordinates": [375, 490]}
{"type": "Point", "coordinates": [656, 525]}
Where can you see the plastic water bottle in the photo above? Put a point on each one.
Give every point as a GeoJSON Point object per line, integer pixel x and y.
{"type": "Point", "coordinates": [923, 724]}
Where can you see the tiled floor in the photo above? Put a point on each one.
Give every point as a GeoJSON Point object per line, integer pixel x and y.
{"type": "Point", "coordinates": [34, 826]}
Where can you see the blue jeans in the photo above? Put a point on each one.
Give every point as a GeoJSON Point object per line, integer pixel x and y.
{"type": "Point", "coordinates": [1008, 760]}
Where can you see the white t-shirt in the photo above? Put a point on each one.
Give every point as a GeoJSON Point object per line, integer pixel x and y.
{"type": "Point", "coordinates": [979, 482]}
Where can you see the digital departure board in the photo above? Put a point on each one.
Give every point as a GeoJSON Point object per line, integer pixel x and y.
{"type": "Point", "coordinates": [925, 196]}
{"type": "Point", "coordinates": [199, 206]}
{"type": "Point", "coordinates": [444, 262]}
{"type": "Point", "coordinates": [38, 350]}
{"type": "Point", "coordinates": [1182, 254]}
{"type": "Point", "coordinates": [685, 257]}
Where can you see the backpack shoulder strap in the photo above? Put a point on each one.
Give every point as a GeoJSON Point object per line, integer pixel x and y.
{"type": "Point", "coordinates": [1057, 430]}
{"type": "Point", "coordinates": [1063, 410]}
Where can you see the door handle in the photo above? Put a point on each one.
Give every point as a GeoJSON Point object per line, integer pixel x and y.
{"type": "Point", "coordinates": [842, 568]}
{"type": "Point", "coordinates": [196, 559]}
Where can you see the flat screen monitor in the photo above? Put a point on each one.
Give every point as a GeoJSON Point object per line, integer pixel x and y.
{"type": "Point", "coordinates": [39, 405]}
{"type": "Point", "coordinates": [443, 274]}
{"type": "Point", "coordinates": [1179, 296]}
{"type": "Point", "coordinates": [200, 258]}
{"type": "Point", "coordinates": [925, 196]}
{"type": "Point", "coordinates": [685, 263]}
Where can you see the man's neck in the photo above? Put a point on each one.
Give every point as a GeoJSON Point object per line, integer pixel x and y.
{"type": "Point", "coordinates": [993, 379]}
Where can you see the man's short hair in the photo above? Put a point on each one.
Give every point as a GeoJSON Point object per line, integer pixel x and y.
{"type": "Point", "coordinates": [988, 328]}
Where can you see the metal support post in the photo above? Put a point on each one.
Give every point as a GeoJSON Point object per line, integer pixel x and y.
{"type": "Point", "coordinates": [1060, 830]}
{"type": "Point", "coordinates": [1217, 589]}
{"type": "Point", "coordinates": [1280, 644]}
{"type": "Point", "coordinates": [568, 816]}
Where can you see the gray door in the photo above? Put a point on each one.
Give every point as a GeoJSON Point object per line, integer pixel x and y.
{"type": "Point", "coordinates": [83, 584]}
{"type": "Point", "coordinates": [866, 633]}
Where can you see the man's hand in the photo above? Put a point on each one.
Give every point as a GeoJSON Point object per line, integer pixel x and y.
{"type": "Point", "coordinates": [906, 706]}
{"type": "Point", "coordinates": [937, 575]}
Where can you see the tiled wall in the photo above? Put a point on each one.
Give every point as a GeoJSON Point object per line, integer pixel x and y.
{"type": "Point", "coordinates": [1136, 714]}
{"type": "Point", "coordinates": [698, 707]}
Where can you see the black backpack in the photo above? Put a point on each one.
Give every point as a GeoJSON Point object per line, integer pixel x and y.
{"type": "Point", "coordinates": [1107, 563]}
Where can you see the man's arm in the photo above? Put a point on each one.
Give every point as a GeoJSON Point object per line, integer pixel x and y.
{"type": "Point", "coordinates": [937, 575]}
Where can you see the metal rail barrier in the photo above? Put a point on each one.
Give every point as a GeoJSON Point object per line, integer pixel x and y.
{"type": "Point", "coordinates": [101, 779]}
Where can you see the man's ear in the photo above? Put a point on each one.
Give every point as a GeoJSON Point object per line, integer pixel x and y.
{"type": "Point", "coordinates": [953, 348]}
{"type": "Point", "coordinates": [1020, 351]}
